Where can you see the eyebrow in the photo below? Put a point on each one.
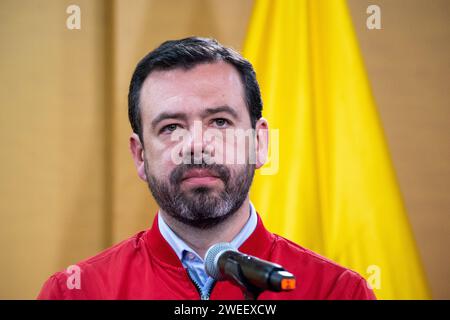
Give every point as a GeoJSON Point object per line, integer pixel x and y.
{"type": "Point", "coordinates": [168, 115]}
{"type": "Point", "coordinates": [226, 109]}
{"type": "Point", "coordinates": [182, 116]}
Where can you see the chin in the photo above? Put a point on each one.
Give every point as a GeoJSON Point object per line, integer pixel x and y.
{"type": "Point", "coordinates": [206, 223]}
{"type": "Point", "coordinates": [202, 190]}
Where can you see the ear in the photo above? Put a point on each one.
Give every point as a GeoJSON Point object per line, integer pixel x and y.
{"type": "Point", "coordinates": [138, 153]}
{"type": "Point", "coordinates": [262, 142]}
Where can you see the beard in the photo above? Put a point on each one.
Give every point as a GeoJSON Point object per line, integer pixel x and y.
{"type": "Point", "coordinates": [201, 207]}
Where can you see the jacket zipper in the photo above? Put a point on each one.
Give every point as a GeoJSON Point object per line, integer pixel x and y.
{"type": "Point", "coordinates": [199, 290]}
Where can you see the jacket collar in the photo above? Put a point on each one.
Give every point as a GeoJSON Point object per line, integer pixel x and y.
{"type": "Point", "coordinates": [258, 244]}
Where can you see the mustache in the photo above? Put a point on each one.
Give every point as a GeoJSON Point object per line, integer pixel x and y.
{"type": "Point", "coordinates": [220, 171]}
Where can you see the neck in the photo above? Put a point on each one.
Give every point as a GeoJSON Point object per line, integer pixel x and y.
{"type": "Point", "coordinates": [201, 239]}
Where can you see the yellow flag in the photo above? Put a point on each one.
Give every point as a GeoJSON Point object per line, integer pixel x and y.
{"type": "Point", "coordinates": [331, 186]}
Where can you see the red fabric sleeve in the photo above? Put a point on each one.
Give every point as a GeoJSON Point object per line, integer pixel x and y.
{"type": "Point", "coordinates": [350, 286]}
{"type": "Point", "coordinates": [363, 292]}
{"type": "Point", "coordinates": [51, 290]}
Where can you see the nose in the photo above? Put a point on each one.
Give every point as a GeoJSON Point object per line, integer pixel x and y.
{"type": "Point", "coordinates": [197, 149]}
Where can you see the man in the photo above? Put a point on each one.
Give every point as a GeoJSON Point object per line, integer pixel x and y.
{"type": "Point", "coordinates": [190, 101]}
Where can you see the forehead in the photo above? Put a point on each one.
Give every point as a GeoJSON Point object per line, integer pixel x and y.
{"type": "Point", "coordinates": [203, 86]}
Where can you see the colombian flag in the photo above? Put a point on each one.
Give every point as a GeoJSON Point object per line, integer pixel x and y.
{"type": "Point", "coordinates": [330, 184]}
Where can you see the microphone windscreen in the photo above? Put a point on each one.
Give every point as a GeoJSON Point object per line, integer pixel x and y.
{"type": "Point", "coordinates": [212, 258]}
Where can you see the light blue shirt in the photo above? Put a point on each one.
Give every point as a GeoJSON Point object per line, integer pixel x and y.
{"type": "Point", "coordinates": [195, 264]}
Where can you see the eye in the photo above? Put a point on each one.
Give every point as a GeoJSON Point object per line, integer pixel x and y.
{"type": "Point", "coordinates": [221, 122]}
{"type": "Point", "coordinates": [169, 128]}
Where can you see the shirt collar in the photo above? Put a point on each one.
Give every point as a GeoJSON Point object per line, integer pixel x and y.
{"type": "Point", "coordinates": [181, 248]}
{"type": "Point", "coordinates": [259, 244]}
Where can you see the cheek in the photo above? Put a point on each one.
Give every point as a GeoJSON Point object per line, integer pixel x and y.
{"type": "Point", "coordinates": [159, 161]}
{"type": "Point", "coordinates": [238, 149]}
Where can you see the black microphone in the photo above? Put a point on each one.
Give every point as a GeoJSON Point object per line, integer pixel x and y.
{"type": "Point", "coordinates": [224, 262]}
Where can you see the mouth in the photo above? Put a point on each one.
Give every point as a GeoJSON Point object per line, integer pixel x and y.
{"type": "Point", "coordinates": [200, 176]}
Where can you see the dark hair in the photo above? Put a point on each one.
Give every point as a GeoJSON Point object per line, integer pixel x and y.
{"type": "Point", "coordinates": [187, 53]}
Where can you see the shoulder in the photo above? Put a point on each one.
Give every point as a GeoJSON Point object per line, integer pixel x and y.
{"type": "Point", "coordinates": [283, 246]}
{"type": "Point", "coordinates": [320, 274]}
{"type": "Point", "coordinates": [94, 272]}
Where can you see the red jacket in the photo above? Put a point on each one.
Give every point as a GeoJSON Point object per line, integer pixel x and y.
{"type": "Point", "coordinates": [146, 267]}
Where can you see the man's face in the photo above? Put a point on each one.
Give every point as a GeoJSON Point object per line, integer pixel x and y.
{"type": "Point", "coordinates": [190, 155]}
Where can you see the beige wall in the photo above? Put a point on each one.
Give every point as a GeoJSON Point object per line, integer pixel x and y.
{"type": "Point", "coordinates": [51, 178]}
{"type": "Point", "coordinates": [67, 183]}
